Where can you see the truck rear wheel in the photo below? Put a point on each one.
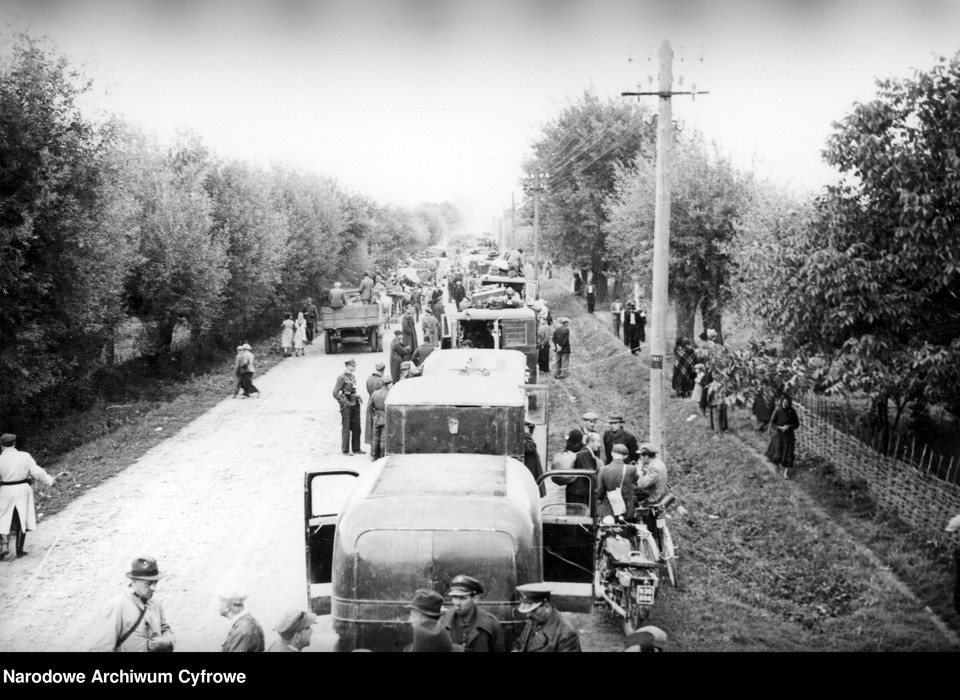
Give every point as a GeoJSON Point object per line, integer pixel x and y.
{"type": "Point", "coordinates": [374, 340]}
{"type": "Point", "coordinates": [326, 343]}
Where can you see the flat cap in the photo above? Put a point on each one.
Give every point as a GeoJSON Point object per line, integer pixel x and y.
{"type": "Point", "coordinates": [293, 621]}
{"type": "Point", "coordinates": [380, 366]}
{"type": "Point", "coordinates": [620, 449]}
{"type": "Point", "coordinates": [589, 415]}
{"type": "Point", "coordinates": [8, 439]}
{"type": "Point", "coordinates": [648, 448]}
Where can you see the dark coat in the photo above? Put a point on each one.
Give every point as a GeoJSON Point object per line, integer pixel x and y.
{"type": "Point", "coordinates": [554, 635]}
{"type": "Point", "coordinates": [480, 633]}
{"type": "Point", "coordinates": [611, 477]}
{"type": "Point", "coordinates": [784, 422]}
{"type": "Point", "coordinates": [561, 339]}
{"type": "Point", "coordinates": [579, 490]}
{"type": "Point", "coordinates": [409, 328]}
{"type": "Point", "coordinates": [531, 458]}
{"type": "Point", "coordinates": [374, 382]}
{"type": "Point", "coordinates": [622, 438]}
{"type": "Point", "coordinates": [398, 354]}
{"type": "Point", "coordinates": [246, 634]}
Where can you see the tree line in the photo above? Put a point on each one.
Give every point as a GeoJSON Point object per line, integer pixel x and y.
{"type": "Point", "coordinates": [100, 223]}
{"type": "Point", "coordinates": [854, 289]}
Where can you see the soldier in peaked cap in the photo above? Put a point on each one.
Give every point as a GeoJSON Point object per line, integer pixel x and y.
{"type": "Point", "coordinates": [345, 392]}
{"type": "Point", "coordinates": [474, 628]}
{"type": "Point", "coordinates": [374, 382]}
{"type": "Point", "coordinates": [135, 621]}
{"type": "Point", "coordinates": [295, 629]}
{"type": "Point", "coordinates": [545, 630]}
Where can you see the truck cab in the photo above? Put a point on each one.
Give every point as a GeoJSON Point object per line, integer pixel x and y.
{"type": "Point", "coordinates": [455, 414]}
{"type": "Point", "coordinates": [495, 329]}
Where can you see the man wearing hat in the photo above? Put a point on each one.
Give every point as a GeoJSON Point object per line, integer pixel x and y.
{"type": "Point", "coordinates": [398, 354]}
{"type": "Point", "coordinates": [561, 346]}
{"type": "Point", "coordinates": [135, 621]}
{"type": "Point", "coordinates": [590, 420]}
{"type": "Point", "coordinates": [652, 485]}
{"type": "Point", "coordinates": [17, 510]}
{"type": "Point", "coordinates": [428, 634]}
{"type": "Point", "coordinates": [409, 331]}
{"type": "Point", "coordinates": [245, 633]}
{"type": "Point", "coordinates": [616, 434]}
{"type": "Point", "coordinates": [378, 409]}
{"type": "Point", "coordinates": [474, 628]}
{"type": "Point", "coordinates": [345, 392]}
{"type": "Point", "coordinates": [295, 629]}
{"type": "Point", "coordinates": [645, 639]}
{"type": "Point", "coordinates": [545, 629]}
{"type": "Point", "coordinates": [406, 370]}
{"type": "Point", "coordinates": [374, 382]}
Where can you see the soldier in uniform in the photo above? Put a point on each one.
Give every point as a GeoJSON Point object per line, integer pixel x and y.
{"type": "Point", "coordinates": [398, 353]}
{"type": "Point", "coordinates": [378, 409]}
{"type": "Point", "coordinates": [545, 629]}
{"type": "Point", "coordinates": [345, 392]}
{"type": "Point", "coordinates": [245, 633]}
{"type": "Point", "coordinates": [474, 628]}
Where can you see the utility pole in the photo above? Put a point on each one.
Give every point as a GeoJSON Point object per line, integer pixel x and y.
{"type": "Point", "coordinates": [536, 188]}
{"type": "Point", "coordinates": [661, 243]}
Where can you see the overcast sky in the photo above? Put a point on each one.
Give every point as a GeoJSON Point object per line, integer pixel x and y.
{"type": "Point", "coordinates": [431, 100]}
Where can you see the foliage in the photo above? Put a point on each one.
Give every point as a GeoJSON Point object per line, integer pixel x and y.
{"type": "Point", "coordinates": [869, 283]}
{"type": "Point", "coordinates": [63, 244]}
{"type": "Point", "coordinates": [707, 198]}
{"type": "Point", "coordinates": [580, 152]}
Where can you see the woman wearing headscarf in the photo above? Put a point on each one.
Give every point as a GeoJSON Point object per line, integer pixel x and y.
{"type": "Point", "coordinates": [783, 425]}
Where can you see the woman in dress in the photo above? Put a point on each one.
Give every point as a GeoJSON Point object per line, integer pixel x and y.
{"type": "Point", "coordinates": [300, 335]}
{"type": "Point", "coordinates": [783, 425]}
{"type": "Point", "coordinates": [286, 336]}
{"type": "Point", "coordinates": [683, 371]}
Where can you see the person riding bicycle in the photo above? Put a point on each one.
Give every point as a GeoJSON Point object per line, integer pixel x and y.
{"type": "Point", "coordinates": [652, 486]}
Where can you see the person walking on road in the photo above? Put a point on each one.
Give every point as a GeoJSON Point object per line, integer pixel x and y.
{"type": "Point", "coordinates": [246, 634]}
{"type": "Point", "coordinates": [17, 509]}
{"type": "Point", "coordinates": [245, 368]}
{"type": "Point", "coordinates": [288, 328]}
{"type": "Point", "coordinates": [312, 315]}
{"type": "Point", "coordinates": [345, 392]}
{"type": "Point", "coordinates": [561, 346]}
{"type": "Point", "coordinates": [295, 629]}
{"type": "Point", "coordinates": [135, 621]}
{"type": "Point", "coordinates": [616, 315]}
{"type": "Point", "coordinates": [300, 335]}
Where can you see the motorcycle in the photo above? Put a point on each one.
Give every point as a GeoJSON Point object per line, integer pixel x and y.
{"type": "Point", "coordinates": [666, 552]}
{"type": "Point", "coordinates": [627, 574]}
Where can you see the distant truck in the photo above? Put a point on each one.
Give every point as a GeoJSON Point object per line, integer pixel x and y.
{"type": "Point", "coordinates": [354, 324]}
{"type": "Point", "coordinates": [494, 329]}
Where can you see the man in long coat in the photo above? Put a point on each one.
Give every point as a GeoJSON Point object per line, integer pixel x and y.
{"type": "Point", "coordinates": [374, 382]}
{"type": "Point", "coordinates": [246, 634]}
{"type": "Point", "coordinates": [398, 354]}
{"type": "Point", "coordinates": [17, 510]}
{"type": "Point", "coordinates": [366, 289]}
{"type": "Point", "coordinates": [409, 331]}
{"type": "Point", "coordinates": [135, 621]}
{"type": "Point", "coordinates": [378, 409]}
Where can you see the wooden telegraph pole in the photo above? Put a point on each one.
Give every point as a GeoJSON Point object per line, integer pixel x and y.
{"type": "Point", "coordinates": [661, 243]}
{"type": "Point", "coordinates": [536, 230]}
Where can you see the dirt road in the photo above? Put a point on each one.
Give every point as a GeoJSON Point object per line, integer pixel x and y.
{"type": "Point", "coordinates": [218, 502]}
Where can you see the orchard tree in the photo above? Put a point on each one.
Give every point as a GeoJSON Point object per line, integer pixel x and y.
{"type": "Point", "coordinates": [869, 291]}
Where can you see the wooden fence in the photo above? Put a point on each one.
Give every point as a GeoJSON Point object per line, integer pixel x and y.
{"type": "Point", "coordinates": [919, 496]}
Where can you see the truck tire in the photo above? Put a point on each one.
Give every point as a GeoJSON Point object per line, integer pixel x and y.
{"type": "Point", "coordinates": [374, 335]}
{"type": "Point", "coordinates": [326, 343]}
